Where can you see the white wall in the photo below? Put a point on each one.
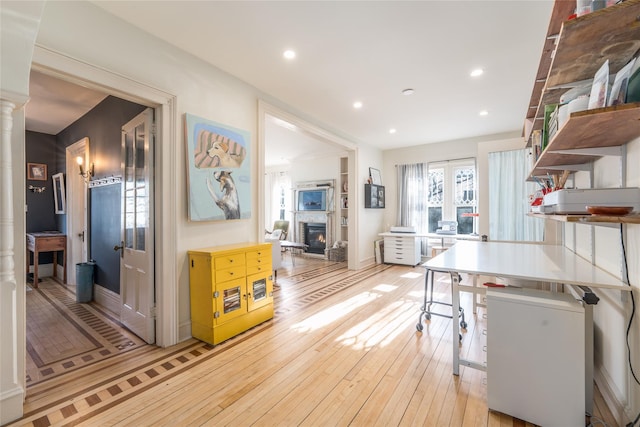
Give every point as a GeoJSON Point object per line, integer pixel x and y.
{"type": "Point", "coordinates": [602, 246]}
{"type": "Point", "coordinates": [370, 221]}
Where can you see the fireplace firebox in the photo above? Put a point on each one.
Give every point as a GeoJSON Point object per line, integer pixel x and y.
{"type": "Point", "coordinates": [315, 237]}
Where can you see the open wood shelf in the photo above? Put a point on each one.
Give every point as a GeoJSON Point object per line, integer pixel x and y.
{"type": "Point", "coordinates": [628, 219]}
{"type": "Point", "coordinates": [603, 127]}
{"type": "Point", "coordinates": [583, 44]}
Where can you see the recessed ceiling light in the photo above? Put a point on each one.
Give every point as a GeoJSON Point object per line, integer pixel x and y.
{"type": "Point", "coordinates": [357, 105]}
{"type": "Point", "coordinates": [392, 130]}
{"type": "Point", "coordinates": [289, 54]}
{"type": "Point", "coordinates": [477, 72]}
{"type": "Point", "coordinates": [408, 91]}
{"type": "Point", "coordinates": [484, 113]}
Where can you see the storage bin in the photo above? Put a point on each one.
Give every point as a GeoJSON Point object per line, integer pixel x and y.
{"type": "Point", "coordinates": [336, 254]}
{"type": "Point", "coordinates": [84, 281]}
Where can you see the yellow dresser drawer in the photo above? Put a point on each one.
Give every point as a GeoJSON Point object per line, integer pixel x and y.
{"type": "Point", "coordinates": [261, 268]}
{"type": "Point", "coordinates": [255, 261]}
{"type": "Point", "coordinates": [230, 273]}
{"type": "Point", "coordinates": [231, 260]}
{"type": "Point", "coordinates": [263, 252]}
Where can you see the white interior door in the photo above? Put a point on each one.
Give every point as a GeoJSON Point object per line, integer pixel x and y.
{"type": "Point", "coordinates": [76, 209]}
{"type": "Point", "coordinates": [137, 291]}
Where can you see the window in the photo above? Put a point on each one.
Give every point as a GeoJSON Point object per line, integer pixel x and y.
{"type": "Point", "coordinates": [278, 205]}
{"type": "Point", "coordinates": [452, 194]}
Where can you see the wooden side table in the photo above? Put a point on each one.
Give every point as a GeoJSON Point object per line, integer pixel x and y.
{"type": "Point", "coordinates": [47, 241]}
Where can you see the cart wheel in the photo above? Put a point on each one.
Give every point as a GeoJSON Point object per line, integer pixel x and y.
{"type": "Point", "coordinates": [419, 327]}
{"type": "Point", "coordinates": [460, 337]}
{"type": "Point", "coordinates": [463, 324]}
{"type": "Point", "coordinates": [427, 316]}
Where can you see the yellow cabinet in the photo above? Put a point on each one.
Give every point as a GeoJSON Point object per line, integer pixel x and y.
{"type": "Point", "coordinates": [231, 290]}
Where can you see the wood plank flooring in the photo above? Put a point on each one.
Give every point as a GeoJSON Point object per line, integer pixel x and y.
{"type": "Point", "coordinates": [342, 350]}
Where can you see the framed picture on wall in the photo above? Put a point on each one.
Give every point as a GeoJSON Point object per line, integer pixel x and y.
{"type": "Point", "coordinates": [374, 175]}
{"type": "Point", "coordinates": [218, 170]}
{"type": "Point", "coordinates": [37, 171]}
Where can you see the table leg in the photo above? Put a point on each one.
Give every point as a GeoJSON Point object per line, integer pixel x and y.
{"type": "Point", "coordinates": [475, 295]}
{"type": "Point", "coordinates": [455, 307]}
{"type": "Point", "coordinates": [64, 265]}
{"type": "Point", "coordinates": [35, 269]}
{"type": "Point", "coordinates": [55, 265]}
{"type": "Point", "coordinates": [588, 374]}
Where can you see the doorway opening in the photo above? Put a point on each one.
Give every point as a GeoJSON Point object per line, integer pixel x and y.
{"type": "Point", "coordinates": [272, 124]}
{"type": "Point", "coordinates": [62, 334]}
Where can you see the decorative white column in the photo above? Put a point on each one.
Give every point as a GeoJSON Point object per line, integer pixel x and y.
{"type": "Point", "coordinates": [11, 378]}
{"type": "Point", "coordinates": [19, 24]}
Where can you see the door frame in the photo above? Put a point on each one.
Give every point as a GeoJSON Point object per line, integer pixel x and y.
{"type": "Point", "coordinates": [265, 109]}
{"type": "Point", "coordinates": [76, 186]}
{"type": "Point", "coordinates": [168, 150]}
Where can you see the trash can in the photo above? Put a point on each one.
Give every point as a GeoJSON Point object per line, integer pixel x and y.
{"type": "Point", "coordinates": [84, 281]}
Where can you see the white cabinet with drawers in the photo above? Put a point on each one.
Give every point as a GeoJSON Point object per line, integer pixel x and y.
{"type": "Point", "coordinates": [401, 248]}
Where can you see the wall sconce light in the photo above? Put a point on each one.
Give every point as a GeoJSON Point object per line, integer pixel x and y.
{"type": "Point", "coordinates": [86, 175]}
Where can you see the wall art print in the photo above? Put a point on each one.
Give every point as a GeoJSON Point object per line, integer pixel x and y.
{"type": "Point", "coordinates": [218, 170]}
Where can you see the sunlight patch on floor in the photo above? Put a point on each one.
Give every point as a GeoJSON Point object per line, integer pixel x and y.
{"type": "Point", "coordinates": [368, 333]}
{"type": "Point", "coordinates": [416, 294]}
{"type": "Point", "coordinates": [335, 312]}
{"type": "Point", "coordinates": [411, 275]}
{"type": "Point", "coordinates": [385, 288]}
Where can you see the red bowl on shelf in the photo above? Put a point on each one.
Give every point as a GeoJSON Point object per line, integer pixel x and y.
{"type": "Point", "coordinates": [610, 210]}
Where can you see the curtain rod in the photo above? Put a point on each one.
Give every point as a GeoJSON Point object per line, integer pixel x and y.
{"type": "Point", "coordinates": [440, 161]}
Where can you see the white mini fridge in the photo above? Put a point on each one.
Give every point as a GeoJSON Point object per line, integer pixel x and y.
{"type": "Point", "coordinates": [536, 356]}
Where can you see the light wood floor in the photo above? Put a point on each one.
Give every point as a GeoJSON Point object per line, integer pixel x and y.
{"type": "Point", "coordinates": [342, 350]}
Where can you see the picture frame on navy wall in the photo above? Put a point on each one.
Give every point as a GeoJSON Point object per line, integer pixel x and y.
{"type": "Point", "coordinates": [37, 171]}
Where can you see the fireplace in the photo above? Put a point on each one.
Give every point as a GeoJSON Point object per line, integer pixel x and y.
{"type": "Point", "coordinates": [315, 237]}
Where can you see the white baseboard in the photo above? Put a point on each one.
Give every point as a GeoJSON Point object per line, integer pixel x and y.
{"type": "Point", "coordinates": [106, 298]}
{"type": "Point", "coordinates": [45, 270]}
{"type": "Point", "coordinates": [184, 331]}
{"type": "Point", "coordinates": [612, 396]}
{"type": "Point", "coordinates": [367, 262]}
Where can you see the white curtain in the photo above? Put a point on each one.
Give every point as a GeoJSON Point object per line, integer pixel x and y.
{"type": "Point", "coordinates": [509, 198]}
{"type": "Point", "coordinates": [412, 198]}
{"type": "Point", "coordinates": [278, 198]}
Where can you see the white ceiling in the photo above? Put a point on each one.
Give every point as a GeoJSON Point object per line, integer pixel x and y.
{"type": "Point", "coordinates": [368, 51]}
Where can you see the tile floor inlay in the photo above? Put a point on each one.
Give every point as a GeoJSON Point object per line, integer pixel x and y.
{"type": "Point", "coordinates": [63, 335]}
